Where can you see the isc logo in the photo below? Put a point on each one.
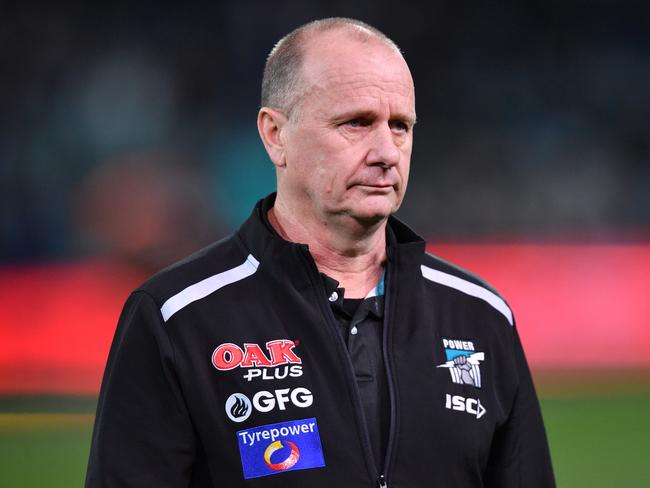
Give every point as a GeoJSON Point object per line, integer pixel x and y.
{"type": "Point", "coordinates": [462, 404]}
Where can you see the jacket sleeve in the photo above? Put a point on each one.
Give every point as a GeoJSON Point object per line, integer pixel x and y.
{"type": "Point", "coordinates": [519, 456]}
{"type": "Point", "coordinates": [142, 435]}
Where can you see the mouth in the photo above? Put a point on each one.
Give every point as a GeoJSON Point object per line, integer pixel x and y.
{"type": "Point", "coordinates": [375, 187]}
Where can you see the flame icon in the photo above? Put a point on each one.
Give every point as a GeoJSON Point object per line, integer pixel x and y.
{"type": "Point", "coordinates": [239, 408]}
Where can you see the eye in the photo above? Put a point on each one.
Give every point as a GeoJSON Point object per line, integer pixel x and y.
{"type": "Point", "coordinates": [398, 126]}
{"type": "Point", "coordinates": [357, 122]}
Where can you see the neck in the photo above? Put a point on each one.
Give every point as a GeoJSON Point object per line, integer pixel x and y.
{"type": "Point", "coordinates": [351, 253]}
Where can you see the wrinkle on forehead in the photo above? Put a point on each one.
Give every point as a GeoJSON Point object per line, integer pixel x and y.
{"type": "Point", "coordinates": [336, 77]}
{"type": "Point", "coordinates": [357, 70]}
{"type": "Point", "coordinates": [352, 67]}
{"type": "Point", "coordinates": [363, 93]}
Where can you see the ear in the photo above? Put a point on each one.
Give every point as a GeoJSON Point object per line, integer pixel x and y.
{"type": "Point", "coordinates": [270, 123]}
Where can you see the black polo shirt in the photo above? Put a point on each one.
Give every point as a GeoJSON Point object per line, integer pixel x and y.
{"type": "Point", "coordinates": [361, 327]}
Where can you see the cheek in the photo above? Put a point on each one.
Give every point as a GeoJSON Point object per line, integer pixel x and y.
{"type": "Point", "coordinates": [302, 160]}
{"type": "Point", "coordinates": [404, 169]}
{"type": "Point", "coordinates": [312, 171]}
{"type": "Point", "coordinates": [321, 162]}
{"type": "Point", "coordinates": [328, 168]}
{"type": "Point", "coordinates": [324, 178]}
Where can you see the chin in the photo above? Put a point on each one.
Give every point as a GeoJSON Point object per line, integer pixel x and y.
{"type": "Point", "coordinates": [374, 213]}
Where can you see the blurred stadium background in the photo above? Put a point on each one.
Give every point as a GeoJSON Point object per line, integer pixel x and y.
{"type": "Point", "coordinates": [128, 140]}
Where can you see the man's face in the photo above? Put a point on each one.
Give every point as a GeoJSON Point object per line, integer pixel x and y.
{"type": "Point", "coordinates": [348, 145]}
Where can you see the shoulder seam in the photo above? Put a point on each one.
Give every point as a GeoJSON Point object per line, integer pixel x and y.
{"type": "Point", "coordinates": [208, 286]}
{"type": "Point", "coordinates": [468, 288]}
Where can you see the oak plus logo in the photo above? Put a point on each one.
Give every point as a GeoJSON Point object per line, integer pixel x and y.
{"type": "Point", "coordinates": [276, 361]}
{"type": "Point", "coordinates": [239, 407]}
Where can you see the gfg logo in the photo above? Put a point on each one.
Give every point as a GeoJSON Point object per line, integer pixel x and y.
{"type": "Point", "coordinates": [239, 407]}
{"type": "Point", "coordinates": [462, 404]}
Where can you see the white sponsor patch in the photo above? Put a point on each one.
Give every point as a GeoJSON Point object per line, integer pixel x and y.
{"type": "Point", "coordinates": [239, 407]}
{"type": "Point", "coordinates": [459, 403]}
{"type": "Point", "coordinates": [277, 373]}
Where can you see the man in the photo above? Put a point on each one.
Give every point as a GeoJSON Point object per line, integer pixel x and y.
{"type": "Point", "coordinates": [320, 345]}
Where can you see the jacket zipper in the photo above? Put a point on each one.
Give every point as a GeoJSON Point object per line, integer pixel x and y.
{"type": "Point", "coordinates": [331, 321]}
{"type": "Point", "coordinates": [392, 424]}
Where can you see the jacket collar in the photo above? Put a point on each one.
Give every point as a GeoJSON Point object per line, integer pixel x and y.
{"type": "Point", "coordinates": [270, 249]}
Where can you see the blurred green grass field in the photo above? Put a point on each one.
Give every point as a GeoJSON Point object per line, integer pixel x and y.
{"type": "Point", "coordinates": [598, 439]}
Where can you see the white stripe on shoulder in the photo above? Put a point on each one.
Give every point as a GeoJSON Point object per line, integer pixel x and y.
{"type": "Point", "coordinates": [207, 286]}
{"type": "Point", "coordinates": [469, 288]}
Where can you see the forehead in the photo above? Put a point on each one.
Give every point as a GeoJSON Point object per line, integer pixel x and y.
{"type": "Point", "coordinates": [340, 69]}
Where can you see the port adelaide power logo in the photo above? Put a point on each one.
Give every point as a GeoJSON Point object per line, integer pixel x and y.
{"type": "Point", "coordinates": [463, 362]}
{"type": "Point", "coordinates": [464, 366]}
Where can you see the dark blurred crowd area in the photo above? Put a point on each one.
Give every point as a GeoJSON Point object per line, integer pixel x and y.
{"type": "Point", "coordinates": [128, 129]}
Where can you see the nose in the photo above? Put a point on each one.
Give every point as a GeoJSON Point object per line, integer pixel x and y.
{"type": "Point", "coordinates": [383, 149]}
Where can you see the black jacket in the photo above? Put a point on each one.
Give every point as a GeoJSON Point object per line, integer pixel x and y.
{"type": "Point", "coordinates": [227, 370]}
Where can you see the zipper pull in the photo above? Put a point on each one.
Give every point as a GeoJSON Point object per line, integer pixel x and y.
{"type": "Point", "coordinates": [381, 481]}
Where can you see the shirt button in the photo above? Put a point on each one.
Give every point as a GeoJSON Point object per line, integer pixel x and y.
{"type": "Point", "coordinates": [354, 330]}
{"type": "Point", "coordinates": [333, 297]}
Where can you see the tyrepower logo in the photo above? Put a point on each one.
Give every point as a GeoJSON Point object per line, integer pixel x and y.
{"type": "Point", "coordinates": [277, 448]}
{"type": "Point", "coordinates": [239, 407]}
{"type": "Point", "coordinates": [230, 356]}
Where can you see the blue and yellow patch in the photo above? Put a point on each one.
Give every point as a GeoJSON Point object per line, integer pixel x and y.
{"type": "Point", "coordinates": [276, 448]}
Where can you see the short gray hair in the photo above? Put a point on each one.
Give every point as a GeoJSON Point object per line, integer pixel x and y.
{"type": "Point", "coordinates": [281, 84]}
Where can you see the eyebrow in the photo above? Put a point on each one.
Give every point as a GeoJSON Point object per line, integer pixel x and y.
{"type": "Point", "coordinates": [369, 114]}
